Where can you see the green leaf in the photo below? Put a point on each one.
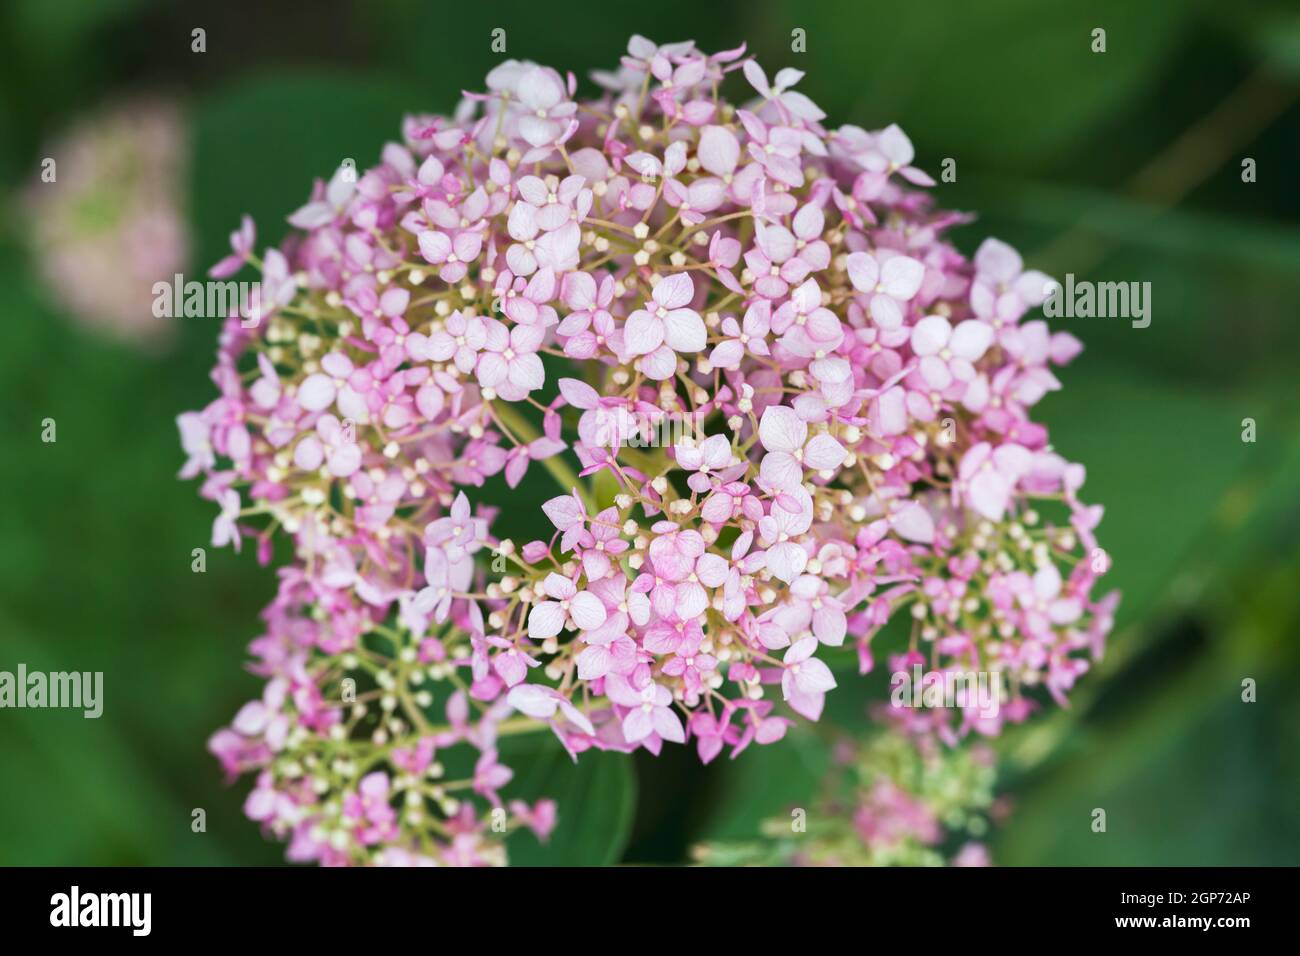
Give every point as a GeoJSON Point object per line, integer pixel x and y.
{"type": "Point", "coordinates": [260, 144]}
{"type": "Point", "coordinates": [1187, 772]}
{"type": "Point", "coordinates": [1008, 84]}
{"type": "Point", "coordinates": [766, 782]}
{"type": "Point", "coordinates": [1160, 458]}
{"type": "Point", "coordinates": [596, 800]}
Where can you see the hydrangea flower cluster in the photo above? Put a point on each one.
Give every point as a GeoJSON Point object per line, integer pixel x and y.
{"type": "Point", "coordinates": [795, 409]}
{"type": "Point", "coordinates": [894, 800]}
{"type": "Point", "coordinates": [106, 220]}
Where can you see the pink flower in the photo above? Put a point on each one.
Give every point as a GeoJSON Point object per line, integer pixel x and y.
{"type": "Point", "coordinates": [811, 606]}
{"type": "Point", "coordinates": [775, 148]}
{"type": "Point", "coordinates": [609, 649]}
{"type": "Point", "coordinates": [805, 680]}
{"type": "Point", "coordinates": [714, 454]}
{"type": "Point", "coordinates": [458, 534]}
{"type": "Point", "coordinates": [650, 710]}
{"type": "Point", "coordinates": [589, 326]}
{"type": "Point", "coordinates": [810, 330]}
{"type": "Point", "coordinates": [718, 152]}
{"type": "Point", "coordinates": [582, 608]}
{"type": "Point", "coordinates": [526, 301]}
{"type": "Point", "coordinates": [509, 362]}
{"type": "Point", "coordinates": [241, 245]}
{"type": "Point", "coordinates": [604, 545]}
{"type": "Point", "coordinates": [453, 254]}
{"type": "Point", "coordinates": [1002, 291]}
{"type": "Point", "coordinates": [567, 514]}
{"type": "Point", "coordinates": [785, 436]}
{"type": "Point", "coordinates": [539, 449]}
{"type": "Point", "coordinates": [196, 441]}
{"type": "Point", "coordinates": [490, 776]}
{"type": "Point", "coordinates": [224, 528]}
{"type": "Point", "coordinates": [870, 453]}
{"type": "Point", "coordinates": [949, 354]}
{"type": "Point", "coordinates": [750, 337]}
{"type": "Point", "coordinates": [328, 202]}
{"type": "Point", "coordinates": [334, 444]}
{"type": "Point", "coordinates": [545, 225]}
{"type": "Point", "coordinates": [460, 340]}
{"type": "Point", "coordinates": [368, 808]}
{"type": "Point", "coordinates": [665, 327]}
{"type": "Point", "coordinates": [786, 558]}
{"type": "Point", "coordinates": [482, 459]}
{"type": "Point", "coordinates": [1042, 595]}
{"type": "Point", "coordinates": [892, 152]}
{"type": "Point", "coordinates": [890, 282]}
{"type": "Point", "coordinates": [540, 818]}
{"type": "Point", "coordinates": [543, 109]}
{"type": "Point", "coordinates": [987, 476]}
{"type": "Point", "coordinates": [319, 390]}
{"type": "Point", "coordinates": [543, 702]}
{"type": "Point", "coordinates": [779, 90]}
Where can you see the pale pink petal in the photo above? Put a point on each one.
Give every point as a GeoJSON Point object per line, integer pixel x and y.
{"type": "Point", "coordinates": [930, 335]}
{"type": "Point", "coordinates": [814, 677]}
{"type": "Point", "coordinates": [316, 392]}
{"type": "Point", "coordinates": [886, 312]}
{"type": "Point", "coordinates": [668, 725]}
{"type": "Point", "coordinates": [787, 561]}
{"type": "Point", "coordinates": [824, 453]}
{"type": "Point", "coordinates": [308, 454]}
{"type": "Point", "coordinates": [935, 372]}
{"type": "Point", "coordinates": [780, 469]}
{"type": "Point", "coordinates": [527, 372]}
{"type": "Point", "coordinates": [901, 276]}
{"type": "Point", "coordinates": [535, 701]}
{"type": "Point", "coordinates": [637, 725]}
{"type": "Point", "coordinates": [864, 273]}
{"type": "Point", "coordinates": [913, 522]}
{"type": "Point", "coordinates": [545, 620]}
{"type": "Point", "coordinates": [988, 494]}
{"type": "Point", "coordinates": [718, 150]}
{"type": "Point", "coordinates": [676, 291]}
{"type": "Point", "coordinates": [587, 610]}
{"type": "Point", "coordinates": [997, 260]}
{"type": "Point", "coordinates": [781, 429]}
{"type": "Point", "coordinates": [971, 339]}
{"type": "Point", "coordinates": [660, 365]}
{"type": "Point", "coordinates": [643, 333]}
{"type": "Point", "coordinates": [889, 412]}
{"type": "Point", "coordinates": [684, 330]}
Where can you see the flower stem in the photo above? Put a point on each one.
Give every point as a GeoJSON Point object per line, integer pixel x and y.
{"type": "Point", "coordinates": [564, 476]}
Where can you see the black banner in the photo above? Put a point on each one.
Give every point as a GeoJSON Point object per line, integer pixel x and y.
{"type": "Point", "coordinates": [333, 906]}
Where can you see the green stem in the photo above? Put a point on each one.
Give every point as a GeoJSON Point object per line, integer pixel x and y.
{"type": "Point", "coordinates": [564, 476]}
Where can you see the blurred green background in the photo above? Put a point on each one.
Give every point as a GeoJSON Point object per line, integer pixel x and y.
{"type": "Point", "coordinates": [1119, 166]}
